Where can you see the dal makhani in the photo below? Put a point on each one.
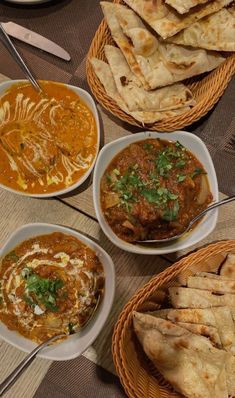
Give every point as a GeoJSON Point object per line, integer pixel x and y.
{"type": "Point", "coordinates": [47, 141]}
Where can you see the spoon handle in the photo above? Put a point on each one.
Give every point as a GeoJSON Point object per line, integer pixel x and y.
{"type": "Point", "coordinates": [16, 56]}
{"type": "Point", "coordinates": [217, 204]}
{"type": "Point", "coordinates": [11, 379]}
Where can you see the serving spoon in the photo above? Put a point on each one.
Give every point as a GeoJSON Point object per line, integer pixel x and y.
{"type": "Point", "coordinates": [11, 379]}
{"type": "Point", "coordinates": [17, 57]}
{"type": "Point", "coordinates": [189, 226]}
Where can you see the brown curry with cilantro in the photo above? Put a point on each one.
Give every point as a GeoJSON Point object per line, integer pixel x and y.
{"type": "Point", "coordinates": [49, 285]}
{"type": "Point", "coordinates": [152, 189]}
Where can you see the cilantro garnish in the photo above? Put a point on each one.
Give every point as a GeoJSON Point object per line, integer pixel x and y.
{"type": "Point", "coordinates": [197, 171]}
{"type": "Point", "coordinates": [180, 164]}
{"type": "Point", "coordinates": [171, 213]}
{"type": "Point", "coordinates": [180, 177]}
{"type": "Point", "coordinates": [148, 146]}
{"type": "Point", "coordinates": [108, 179]}
{"type": "Point", "coordinates": [42, 291]}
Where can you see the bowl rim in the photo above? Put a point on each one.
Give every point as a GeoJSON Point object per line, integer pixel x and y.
{"type": "Point", "coordinates": [138, 249]}
{"type": "Point", "coordinates": [97, 324]}
{"type": "Point", "coordinates": [89, 101]}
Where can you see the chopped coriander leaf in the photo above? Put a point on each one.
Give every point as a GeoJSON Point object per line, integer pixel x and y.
{"type": "Point", "coordinates": [197, 171]}
{"type": "Point", "coordinates": [148, 146]}
{"type": "Point", "coordinates": [179, 145]}
{"type": "Point", "coordinates": [163, 164]}
{"type": "Point", "coordinates": [180, 164]}
{"type": "Point", "coordinates": [108, 179]}
{"type": "Point", "coordinates": [29, 301]}
{"type": "Point", "coordinates": [44, 290]}
{"type": "Point", "coordinates": [171, 213]}
{"type": "Point", "coordinates": [180, 177]}
{"type": "Point", "coordinates": [172, 196]}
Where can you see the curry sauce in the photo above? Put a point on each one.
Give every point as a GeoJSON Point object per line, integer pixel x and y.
{"type": "Point", "coordinates": [47, 141]}
{"type": "Point", "coordinates": [50, 285]}
{"type": "Point", "coordinates": [152, 189]}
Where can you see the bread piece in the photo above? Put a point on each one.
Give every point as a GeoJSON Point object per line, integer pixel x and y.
{"type": "Point", "coordinates": [214, 285]}
{"type": "Point", "coordinates": [228, 267]}
{"type": "Point", "coordinates": [166, 21]}
{"type": "Point", "coordinates": [104, 74]}
{"type": "Point", "coordinates": [135, 96]}
{"type": "Point", "coordinates": [156, 63]}
{"type": "Point", "coordinates": [184, 6]}
{"type": "Point", "coordinates": [214, 32]}
{"type": "Point", "coordinates": [189, 362]}
{"type": "Point", "coordinates": [182, 297]}
{"type": "Point", "coordinates": [203, 330]}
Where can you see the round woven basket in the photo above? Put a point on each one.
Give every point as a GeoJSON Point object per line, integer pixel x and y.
{"type": "Point", "coordinates": [206, 88]}
{"type": "Point", "coordinates": [139, 377]}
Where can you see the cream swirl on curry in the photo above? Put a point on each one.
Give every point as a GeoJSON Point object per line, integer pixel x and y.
{"type": "Point", "coordinates": [47, 142]}
{"type": "Point", "coordinates": [50, 285]}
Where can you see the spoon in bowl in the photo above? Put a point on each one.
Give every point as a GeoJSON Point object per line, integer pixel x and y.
{"type": "Point", "coordinates": [192, 222]}
{"type": "Point", "coordinates": [16, 56]}
{"type": "Point", "coordinates": [11, 379]}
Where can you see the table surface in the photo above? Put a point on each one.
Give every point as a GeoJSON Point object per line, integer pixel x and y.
{"type": "Point", "coordinates": [72, 24]}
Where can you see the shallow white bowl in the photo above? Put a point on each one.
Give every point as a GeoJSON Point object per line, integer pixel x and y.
{"type": "Point", "coordinates": [86, 97]}
{"type": "Point", "coordinates": [198, 148]}
{"type": "Point", "coordinates": [75, 344]}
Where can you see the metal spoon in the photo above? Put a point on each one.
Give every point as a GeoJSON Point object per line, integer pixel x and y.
{"type": "Point", "coordinates": [11, 379]}
{"type": "Point", "coordinates": [195, 219]}
{"type": "Point", "coordinates": [13, 51]}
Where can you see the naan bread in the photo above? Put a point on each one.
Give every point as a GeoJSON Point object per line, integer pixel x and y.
{"type": "Point", "coordinates": [135, 96]}
{"type": "Point", "coordinates": [219, 317]}
{"type": "Point", "coordinates": [166, 21]}
{"type": "Point", "coordinates": [214, 285]}
{"type": "Point", "coordinates": [189, 362]}
{"type": "Point", "coordinates": [159, 63]}
{"type": "Point", "coordinates": [228, 268]}
{"type": "Point", "coordinates": [183, 6]}
{"type": "Point", "coordinates": [104, 74]}
{"type": "Point", "coordinates": [203, 330]}
{"type": "Point", "coordinates": [109, 11]}
{"type": "Point", "coordinates": [182, 297]}
{"type": "Point", "coordinates": [214, 32]}
{"type": "Point", "coordinates": [213, 276]}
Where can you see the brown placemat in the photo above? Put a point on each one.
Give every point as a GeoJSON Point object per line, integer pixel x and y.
{"type": "Point", "coordinates": [79, 378]}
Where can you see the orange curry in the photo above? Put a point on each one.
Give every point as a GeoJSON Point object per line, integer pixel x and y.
{"type": "Point", "coordinates": [47, 141]}
{"type": "Point", "coordinates": [49, 285]}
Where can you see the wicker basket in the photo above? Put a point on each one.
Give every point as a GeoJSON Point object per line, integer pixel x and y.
{"type": "Point", "coordinates": [206, 88]}
{"type": "Point", "coordinates": [137, 374]}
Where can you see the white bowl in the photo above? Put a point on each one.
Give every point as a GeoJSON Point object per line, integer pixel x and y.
{"type": "Point", "coordinates": [86, 97]}
{"type": "Point", "coordinates": [75, 344]}
{"type": "Point", "coordinates": [198, 148]}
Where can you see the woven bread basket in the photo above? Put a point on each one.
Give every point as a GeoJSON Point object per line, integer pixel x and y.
{"type": "Point", "coordinates": [139, 377]}
{"type": "Point", "coordinates": [206, 88]}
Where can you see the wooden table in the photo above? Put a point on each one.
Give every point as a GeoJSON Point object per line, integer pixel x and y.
{"type": "Point", "coordinates": [76, 210]}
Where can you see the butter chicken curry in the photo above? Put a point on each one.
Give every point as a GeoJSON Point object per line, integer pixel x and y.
{"type": "Point", "coordinates": [47, 141]}
{"type": "Point", "coordinates": [49, 285]}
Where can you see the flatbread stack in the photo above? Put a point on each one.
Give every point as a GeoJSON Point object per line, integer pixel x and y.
{"type": "Point", "coordinates": [144, 74]}
{"type": "Point", "coordinates": [193, 343]}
